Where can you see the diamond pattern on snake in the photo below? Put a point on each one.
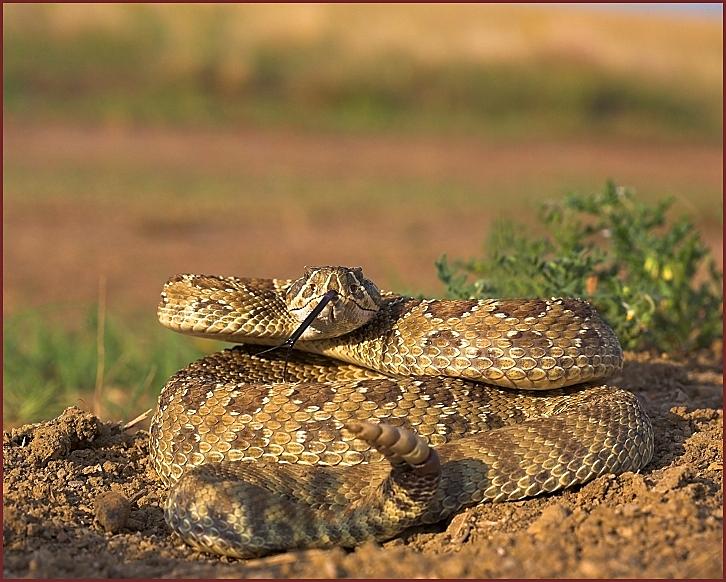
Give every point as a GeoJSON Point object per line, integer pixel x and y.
{"type": "Point", "coordinates": [391, 411]}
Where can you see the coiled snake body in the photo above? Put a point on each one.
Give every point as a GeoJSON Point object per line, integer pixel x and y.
{"type": "Point", "coordinates": [394, 412]}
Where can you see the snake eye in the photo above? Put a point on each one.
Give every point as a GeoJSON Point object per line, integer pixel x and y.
{"type": "Point", "coordinates": [354, 289]}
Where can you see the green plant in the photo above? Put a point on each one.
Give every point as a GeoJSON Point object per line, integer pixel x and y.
{"type": "Point", "coordinates": [655, 283]}
{"type": "Point", "coordinates": [48, 366]}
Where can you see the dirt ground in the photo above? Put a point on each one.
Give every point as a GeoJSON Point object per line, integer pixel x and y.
{"type": "Point", "coordinates": [665, 522]}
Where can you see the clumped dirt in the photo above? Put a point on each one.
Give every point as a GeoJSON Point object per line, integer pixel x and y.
{"type": "Point", "coordinates": [81, 500]}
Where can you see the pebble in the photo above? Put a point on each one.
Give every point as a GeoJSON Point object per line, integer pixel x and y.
{"type": "Point", "coordinates": [32, 530]}
{"type": "Point", "coordinates": [630, 510]}
{"type": "Point", "coordinates": [671, 479]}
{"type": "Point", "coordinates": [91, 469]}
{"type": "Point", "coordinates": [589, 569]}
{"type": "Point", "coordinates": [551, 518]}
{"type": "Point", "coordinates": [112, 511]}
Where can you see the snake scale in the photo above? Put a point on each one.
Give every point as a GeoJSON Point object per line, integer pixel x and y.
{"type": "Point", "coordinates": [392, 412]}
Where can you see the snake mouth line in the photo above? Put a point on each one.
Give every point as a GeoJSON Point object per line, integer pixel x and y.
{"type": "Point", "coordinates": [316, 300]}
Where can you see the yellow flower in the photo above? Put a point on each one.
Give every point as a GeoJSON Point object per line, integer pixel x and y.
{"type": "Point", "coordinates": [651, 266]}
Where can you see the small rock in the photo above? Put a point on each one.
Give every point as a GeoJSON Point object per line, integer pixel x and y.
{"type": "Point", "coordinates": [630, 510]}
{"type": "Point", "coordinates": [550, 519]}
{"type": "Point", "coordinates": [460, 527]}
{"type": "Point", "coordinates": [90, 470]}
{"type": "Point", "coordinates": [112, 511]}
{"type": "Point", "coordinates": [32, 530]}
{"type": "Point", "coordinates": [589, 569]}
{"type": "Point", "coordinates": [671, 479]}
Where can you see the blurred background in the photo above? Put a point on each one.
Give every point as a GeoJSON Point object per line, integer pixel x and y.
{"type": "Point", "coordinates": [142, 141]}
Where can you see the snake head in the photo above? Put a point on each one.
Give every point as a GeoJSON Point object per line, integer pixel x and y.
{"type": "Point", "coordinates": [357, 301]}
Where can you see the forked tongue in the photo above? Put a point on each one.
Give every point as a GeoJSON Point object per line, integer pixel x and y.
{"type": "Point", "coordinates": [295, 335]}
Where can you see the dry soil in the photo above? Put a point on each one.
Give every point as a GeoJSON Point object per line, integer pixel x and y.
{"type": "Point", "coordinates": [666, 521]}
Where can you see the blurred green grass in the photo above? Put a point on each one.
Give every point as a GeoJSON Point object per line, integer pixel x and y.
{"type": "Point", "coordinates": [146, 64]}
{"type": "Point", "coordinates": [48, 366]}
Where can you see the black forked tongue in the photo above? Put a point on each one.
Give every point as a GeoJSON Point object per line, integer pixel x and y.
{"type": "Point", "coordinates": [295, 335]}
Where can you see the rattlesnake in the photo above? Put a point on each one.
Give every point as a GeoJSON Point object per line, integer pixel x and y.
{"type": "Point", "coordinates": [405, 418]}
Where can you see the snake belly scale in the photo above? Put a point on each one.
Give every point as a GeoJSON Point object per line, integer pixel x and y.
{"type": "Point", "coordinates": [392, 412]}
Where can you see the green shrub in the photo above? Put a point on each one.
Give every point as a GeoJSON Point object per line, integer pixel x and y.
{"type": "Point", "coordinates": [655, 283]}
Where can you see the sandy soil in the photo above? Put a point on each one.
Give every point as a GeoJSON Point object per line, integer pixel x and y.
{"type": "Point", "coordinates": [61, 521]}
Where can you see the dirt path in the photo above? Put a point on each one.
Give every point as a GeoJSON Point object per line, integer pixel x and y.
{"type": "Point", "coordinates": [665, 522]}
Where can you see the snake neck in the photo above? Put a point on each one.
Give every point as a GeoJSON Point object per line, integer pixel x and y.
{"type": "Point", "coordinates": [531, 344]}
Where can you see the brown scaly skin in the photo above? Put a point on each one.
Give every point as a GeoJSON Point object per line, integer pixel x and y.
{"type": "Point", "coordinates": [250, 513]}
{"type": "Point", "coordinates": [355, 442]}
